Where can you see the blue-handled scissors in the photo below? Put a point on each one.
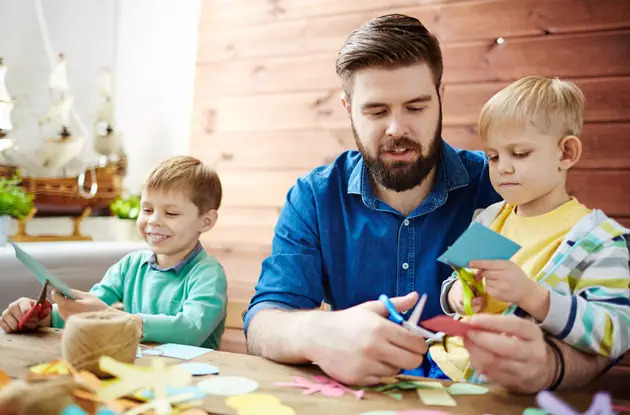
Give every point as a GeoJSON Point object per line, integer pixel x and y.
{"type": "Point", "coordinates": [410, 324]}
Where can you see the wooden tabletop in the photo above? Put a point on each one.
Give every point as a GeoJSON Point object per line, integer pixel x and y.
{"type": "Point", "coordinates": [20, 351]}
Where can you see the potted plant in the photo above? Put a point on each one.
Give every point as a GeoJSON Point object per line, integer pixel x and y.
{"type": "Point", "coordinates": [127, 209]}
{"type": "Point", "coordinates": [15, 202]}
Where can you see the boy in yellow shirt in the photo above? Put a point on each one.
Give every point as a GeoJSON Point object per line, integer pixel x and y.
{"type": "Point", "coordinates": [571, 274]}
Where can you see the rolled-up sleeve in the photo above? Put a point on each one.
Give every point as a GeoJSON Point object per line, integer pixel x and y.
{"type": "Point", "coordinates": [291, 277]}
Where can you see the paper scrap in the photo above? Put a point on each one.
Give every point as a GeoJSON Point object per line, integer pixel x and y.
{"type": "Point", "coordinates": [466, 389]}
{"type": "Point", "coordinates": [196, 393]}
{"type": "Point", "coordinates": [200, 369]}
{"type": "Point", "coordinates": [450, 326]}
{"type": "Point", "coordinates": [378, 413]}
{"type": "Point", "coordinates": [251, 399]}
{"type": "Point", "coordinates": [139, 353]}
{"type": "Point", "coordinates": [436, 397]}
{"type": "Point", "coordinates": [321, 384]}
{"type": "Point", "coordinates": [535, 411]}
{"type": "Point", "coordinates": [478, 243]}
{"type": "Point", "coordinates": [41, 273]}
{"type": "Point", "coordinates": [178, 351]}
{"type": "Point", "coordinates": [421, 412]}
{"type": "Point", "coordinates": [394, 395]}
{"type": "Point", "coordinates": [4, 379]}
{"type": "Point", "coordinates": [56, 367]}
{"type": "Point", "coordinates": [228, 385]}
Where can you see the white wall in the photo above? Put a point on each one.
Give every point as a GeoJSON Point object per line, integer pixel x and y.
{"type": "Point", "coordinates": [151, 47]}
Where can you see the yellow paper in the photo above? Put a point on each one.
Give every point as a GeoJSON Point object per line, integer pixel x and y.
{"type": "Point", "coordinates": [436, 397]}
{"type": "Point", "coordinates": [424, 384]}
{"type": "Point", "coordinates": [4, 379]}
{"type": "Point", "coordinates": [273, 409]}
{"type": "Point", "coordinates": [251, 399]}
{"type": "Point", "coordinates": [56, 367]}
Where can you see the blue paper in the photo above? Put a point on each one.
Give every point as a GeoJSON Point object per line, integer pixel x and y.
{"type": "Point", "coordinates": [178, 351]}
{"type": "Point", "coordinates": [200, 369]}
{"type": "Point", "coordinates": [40, 272]}
{"type": "Point", "coordinates": [170, 391]}
{"type": "Point", "coordinates": [139, 353]}
{"type": "Point", "coordinates": [478, 243]}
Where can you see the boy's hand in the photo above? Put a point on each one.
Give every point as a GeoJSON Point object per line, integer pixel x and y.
{"type": "Point", "coordinates": [505, 280]}
{"type": "Point", "coordinates": [83, 303]}
{"type": "Point", "coordinates": [10, 318]}
{"type": "Point", "coordinates": [455, 299]}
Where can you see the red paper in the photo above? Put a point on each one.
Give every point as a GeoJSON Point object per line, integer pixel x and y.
{"type": "Point", "coordinates": [450, 326]}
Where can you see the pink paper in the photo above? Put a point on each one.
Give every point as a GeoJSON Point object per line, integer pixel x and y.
{"type": "Point", "coordinates": [322, 384]}
{"type": "Point", "coordinates": [449, 326]}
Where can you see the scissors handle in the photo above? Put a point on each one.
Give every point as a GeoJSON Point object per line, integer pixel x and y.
{"type": "Point", "coordinates": [37, 310]}
{"type": "Point", "coordinates": [393, 314]}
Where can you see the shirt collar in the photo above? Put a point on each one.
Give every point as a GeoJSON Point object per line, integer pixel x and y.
{"type": "Point", "coordinates": [151, 259]}
{"type": "Point", "coordinates": [451, 174]}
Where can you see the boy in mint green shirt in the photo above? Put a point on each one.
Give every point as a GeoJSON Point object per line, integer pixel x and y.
{"type": "Point", "coordinates": [178, 290]}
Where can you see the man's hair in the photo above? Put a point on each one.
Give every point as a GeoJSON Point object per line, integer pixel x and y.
{"type": "Point", "coordinates": [187, 174]}
{"type": "Point", "coordinates": [552, 106]}
{"type": "Point", "coordinates": [391, 41]}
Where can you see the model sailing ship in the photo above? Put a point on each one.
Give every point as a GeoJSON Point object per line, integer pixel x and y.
{"type": "Point", "coordinates": [56, 172]}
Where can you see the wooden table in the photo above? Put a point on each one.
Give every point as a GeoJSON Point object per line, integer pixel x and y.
{"type": "Point", "coordinates": [20, 351]}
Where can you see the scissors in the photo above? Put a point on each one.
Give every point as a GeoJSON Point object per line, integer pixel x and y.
{"type": "Point", "coordinates": [470, 285]}
{"type": "Point", "coordinates": [412, 323]}
{"type": "Point", "coordinates": [39, 309]}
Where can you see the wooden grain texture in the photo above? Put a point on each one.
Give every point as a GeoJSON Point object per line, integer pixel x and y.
{"type": "Point", "coordinates": [608, 100]}
{"type": "Point", "coordinates": [19, 351]}
{"type": "Point", "coordinates": [280, 35]}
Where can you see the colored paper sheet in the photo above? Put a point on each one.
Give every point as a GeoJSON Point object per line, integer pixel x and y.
{"type": "Point", "coordinates": [466, 389]}
{"type": "Point", "coordinates": [177, 351]}
{"type": "Point", "coordinates": [436, 397]}
{"type": "Point", "coordinates": [228, 385]}
{"type": "Point", "coordinates": [200, 369]}
{"type": "Point", "coordinates": [450, 326]}
{"type": "Point", "coordinates": [251, 399]}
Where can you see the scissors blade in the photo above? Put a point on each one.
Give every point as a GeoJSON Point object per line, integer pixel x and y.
{"type": "Point", "coordinates": [414, 318]}
{"type": "Point", "coordinates": [44, 292]}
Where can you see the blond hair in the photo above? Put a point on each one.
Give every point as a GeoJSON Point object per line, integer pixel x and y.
{"type": "Point", "coordinates": [553, 106]}
{"type": "Point", "coordinates": [185, 173]}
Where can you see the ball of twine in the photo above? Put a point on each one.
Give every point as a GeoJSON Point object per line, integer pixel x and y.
{"type": "Point", "coordinates": [88, 336]}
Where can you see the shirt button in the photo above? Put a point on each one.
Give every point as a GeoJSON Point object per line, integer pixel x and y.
{"type": "Point", "coordinates": [406, 222]}
{"type": "Point", "coordinates": [405, 265]}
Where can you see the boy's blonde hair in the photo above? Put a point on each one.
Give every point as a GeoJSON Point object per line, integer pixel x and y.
{"type": "Point", "coordinates": [553, 106]}
{"type": "Point", "coordinates": [185, 173]}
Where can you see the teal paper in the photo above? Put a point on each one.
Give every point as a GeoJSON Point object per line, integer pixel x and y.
{"type": "Point", "coordinates": [40, 272]}
{"type": "Point", "coordinates": [478, 243]}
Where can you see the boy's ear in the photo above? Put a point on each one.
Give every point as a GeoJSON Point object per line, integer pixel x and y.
{"type": "Point", "coordinates": [208, 220]}
{"type": "Point", "coordinates": [570, 150]}
{"type": "Point", "coordinates": [345, 101]}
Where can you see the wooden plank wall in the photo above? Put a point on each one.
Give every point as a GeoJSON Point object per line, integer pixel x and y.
{"type": "Point", "coordinates": [267, 98]}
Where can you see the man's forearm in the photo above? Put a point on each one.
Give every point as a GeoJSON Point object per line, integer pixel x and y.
{"type": "Point", "coordinates": [580, 368]}
{"type": "Point", "coordinates": [279, 335]}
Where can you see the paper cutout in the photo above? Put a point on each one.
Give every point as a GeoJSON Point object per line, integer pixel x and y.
{"type": "Point", "coordinates": [162, 405]}
{"type": "Point", "coordinates": [394, 395]}
{"type": "Point", "coordinates": [550, 403]}
{"type": "Point", "coordinates": [197, 393]}
{"type": "Point", "coordinates": [322, 384]}
{"type": "Point", "coordinates": [56, 367]}
{"type": "Point", "coordinates": [251, 399]}
{"type": "Point", "coordinates": [178, 351]}
{"type": "Point", "coordinates": [477, 243]}
{"type": "Point", "coordinates": [4, 379]}
{"type": "Point", "coordinates": [535, 411]}
{"type": "Point", "coordinates": [200, 369]}
{"type": "Point", "coordinates": [133, 378]}
{"type": "Point", "coordinates": [450, 326]}
{"type": "Point", "coordinates": [466, 389]}
{"type": "Point", "coordinates": [139, 353]}
{"type": "Point", "coordinates": [378, 413]}
{"type": "Point", "coordinates": [267, 410]}
{"type": "Point", "coordinates": [436, 397]}
{"type": "Point", "coordinates": [76, 410]}
{"type": "Point", "coordinates": [41, 273]}
{"type": "Point", "coordinates": [421, 412]}
{"type": "Point", "coordinates": [228, 385]}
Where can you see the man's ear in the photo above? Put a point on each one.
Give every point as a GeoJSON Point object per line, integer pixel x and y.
{"type": "Point", "coordinates": [209, 219]}
{"type": "Point", "coordinates": [345, 101]}
{"type": "Point", "coordinates": [570, 150]}
{"type": "Point", "coordinates": [441, 90]}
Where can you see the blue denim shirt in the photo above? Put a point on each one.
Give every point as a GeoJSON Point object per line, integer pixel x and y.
{"type": "Point", "coordinates": [335, 241]}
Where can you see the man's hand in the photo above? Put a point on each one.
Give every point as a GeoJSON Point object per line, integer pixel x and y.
{"type": "Point", "coordinates": [455, 299]}
{"type": "Point", "coordinates": [12, 315]}
{"type": "Point", "coordinates": [360, 345]}
{"type": "Point", "coordinates": [83, 303]}
{"type": "Point", "coordinates": [518, 359]}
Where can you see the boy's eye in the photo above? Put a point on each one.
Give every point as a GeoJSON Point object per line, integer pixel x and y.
{"type": "Point", "coordinates": [146, 210]}
{"type": "Point", "coordinates": [492, 157]}
{"type": "Point", "coordinates": [172, 214]}
{"type": "Point", "coordinates": [521, 155]}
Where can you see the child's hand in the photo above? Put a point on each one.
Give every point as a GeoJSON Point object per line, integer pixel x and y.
{"type": "Point", "coordinates": [83, 303]}
{"type": "Point", "coordinates": [505, 280]}
{"type": "Point", "coordinates": [455, 299]}
{"type": "Point", "coordinates": [11, 316]}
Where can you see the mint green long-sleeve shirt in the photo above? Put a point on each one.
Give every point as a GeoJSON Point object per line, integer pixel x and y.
{"type": "Point", "coordinates": [184, 304]}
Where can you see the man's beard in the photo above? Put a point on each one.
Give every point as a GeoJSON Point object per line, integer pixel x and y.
{"type": "Point", "coordinates": [401, 175]}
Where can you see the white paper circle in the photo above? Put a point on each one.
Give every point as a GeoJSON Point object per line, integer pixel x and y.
{"type": "Point", "coordinates": [228, 385]}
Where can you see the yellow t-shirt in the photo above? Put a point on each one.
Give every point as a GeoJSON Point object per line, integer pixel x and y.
{"type": "Point", "coordinates": [539, 238]}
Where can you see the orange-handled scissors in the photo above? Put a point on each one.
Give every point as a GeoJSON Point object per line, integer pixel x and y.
{"type": "Point", "coordinates": [41, 308]}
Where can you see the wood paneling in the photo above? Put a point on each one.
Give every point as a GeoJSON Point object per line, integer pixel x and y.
{"type": "Point", "coordinates": [450, 21]}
